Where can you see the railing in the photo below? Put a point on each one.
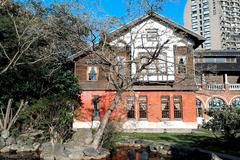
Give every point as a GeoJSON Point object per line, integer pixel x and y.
{"type": "Point", "coordinates": [234, 87]}
{"type": "Point", "coordinates": [215, 87]}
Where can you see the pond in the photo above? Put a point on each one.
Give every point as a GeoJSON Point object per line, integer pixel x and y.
{"type": "Point", "coordinates": [120, 154]}
{"type": "Point", "coordinates": [145, 154]}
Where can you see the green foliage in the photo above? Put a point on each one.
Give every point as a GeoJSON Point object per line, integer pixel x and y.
{"type": "Point", "coordinates": [225, 120]}
{"type": "Point", "coordinates": [110, 136]}
{"type": "Point", "coordinates": [40, 73]}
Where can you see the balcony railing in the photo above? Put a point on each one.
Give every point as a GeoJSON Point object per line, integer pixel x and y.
{"type": "Point", "coordinates": [234, 87]}
{"type": "Point", "coordinates": [215, 87]}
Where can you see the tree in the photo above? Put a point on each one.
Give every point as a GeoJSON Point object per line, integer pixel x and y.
{"type": "Point", "coordinates": [34, 45]}
{"type": "Point", "coordinates": [31, 33]}
{"type": "Point", "coordinates": [226, 122]}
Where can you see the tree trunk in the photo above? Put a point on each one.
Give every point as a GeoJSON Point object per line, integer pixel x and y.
{"type": "Point", "coordinates": [96, 144]}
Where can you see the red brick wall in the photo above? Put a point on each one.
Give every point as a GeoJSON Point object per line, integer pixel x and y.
{"type": "Point", "coordinates": [153, 105]}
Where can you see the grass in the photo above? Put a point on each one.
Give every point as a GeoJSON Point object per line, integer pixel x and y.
{"type": "Point", "coordinates": [203, 139]}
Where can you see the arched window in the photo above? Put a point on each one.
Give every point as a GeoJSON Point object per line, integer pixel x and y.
{"type": "Point", "coordinates": [199, 108]}
{"type": "Point", "coordinates": [216, 102]}
{"type": "Point", "coordinates": [236, 102]}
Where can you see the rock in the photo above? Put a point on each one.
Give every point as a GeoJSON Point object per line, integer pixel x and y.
{"type": "Point", "coordinates": [36, 146]}
{"type": "Point", "coordinates": [82, 136]}
{"type": "Point", "coordinates": [62, 158]}
{"type": "Point", "coordinates": [90, 152]}
{"type": "Point", "coordinates": [139, 141]}
{"type": "Point", "coordinates": [153, 148]}
{"type": "Point", "coordinates": [14, 147]}
{"type": "Point", "coordinates": [215, 157]}
{"type": "Point", "coordinates": [2, 143]}
{"type": "Point", "coordinates": [10, 141]}
{"type": "Point", "coordinates": [76, 155]}
{"type": "Point", "coordinates": [5, 134]}
{"type": "Point", "coordinates": [25, 148]}
{"type": "Point", "coordinates": [5, 149]}
{"type": "Point", "coordinates": [88, 140]}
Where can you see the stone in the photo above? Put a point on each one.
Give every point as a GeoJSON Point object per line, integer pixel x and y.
{"type": "Point", "coordinates": [90, 152]}
{"type": "Point", "coordinates": [10, 141]}
{"type": "Point", "coordinates": [2, 143]}
{"type": "Point", "coordinates": [139, 141]}
{"type": "Point", "coordinates": [14, 147]}
{"type": "Point", "coordinates": [88, 140]}
{"type": "Point", "coordinates": [25, 148]}
{"type": "Point", "coordinates": [76, 155]}
{"type": "Point", "coordinates": [215, 157]}
{"type": "Point", "coordinates": [82, 136]}
{"type": "Point", "coordinates": [61, 157]}
{"type": "Point", "coordinates": [36, 146]}
{"type": "Point", "coordinates": [5, 149]}
{"type": "Point", "coordinates": [5, 134]}
{"type": "Point", "coordinates": [152, 147]}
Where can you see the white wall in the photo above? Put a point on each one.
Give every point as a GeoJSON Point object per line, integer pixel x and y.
{"type": "Point", "coordinates": [136, 38]}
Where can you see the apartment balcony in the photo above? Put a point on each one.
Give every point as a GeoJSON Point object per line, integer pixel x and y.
{"type": "Point", "coordinates": [222, 87]}
{"type": "Point", "coordinates": [215, 87]}
{"type": "Point", "coordinates": [234, 87]}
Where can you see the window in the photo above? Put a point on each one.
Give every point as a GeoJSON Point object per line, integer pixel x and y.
{"type": "Point", "coordinates": [130, 107]}
{"type": "Point", "coordinates": [199, 111]}
{"type": "Point", "coordinates": [142, 106]}
{"type": "Point", "coordinates": [182, 64]}
{"type": "Point", "coordinates": [231, 60]}
{"type": "Point", "coordinates": [96, 107]}
{"type": "Point", "coordinates": [236, 102]}
{"type": "Point", "coordinates": [165, 102]}
{"type": "Point", "coordinates": [216, 102]}
{"type": "Point", "coordinates": [217, 60]}
{"type": "Point", "coordinates": [92, 73]}
{"type": "Point", "coordinates": [152, 34]}
{"type": "Point", "coordinates": [177, 100]}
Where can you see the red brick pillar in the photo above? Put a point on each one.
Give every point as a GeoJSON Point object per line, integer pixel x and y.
{"type": "Point", "coordinates": [171, 109]}
{"type": "Point", "coordinates": [136, 107]}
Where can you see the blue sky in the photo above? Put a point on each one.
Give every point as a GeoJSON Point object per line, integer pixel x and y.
{"type": "Point", "coordinates": [173, 9]}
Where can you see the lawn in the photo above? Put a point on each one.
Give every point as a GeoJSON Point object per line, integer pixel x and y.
{"type": "Point", "coordinates": [201, 139]}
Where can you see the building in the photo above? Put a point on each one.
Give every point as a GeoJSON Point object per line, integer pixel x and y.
{"type": "Point", "coordinates": [218, 80]}
{"type": "Point", "coordinates": [165, 97]}
{"type": "Point", "coordinates": [216, 20]}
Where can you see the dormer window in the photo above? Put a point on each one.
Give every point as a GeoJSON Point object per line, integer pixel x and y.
{"type": "Point", "coordinates": [92, 73]}
{"type": "Point", "coordinates": [152, 34]}
{"type": "Point", "coordinates": [182, 64]}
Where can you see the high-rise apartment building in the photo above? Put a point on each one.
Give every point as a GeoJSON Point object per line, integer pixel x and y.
{"type": "Point", "coordinates": [216, 20]}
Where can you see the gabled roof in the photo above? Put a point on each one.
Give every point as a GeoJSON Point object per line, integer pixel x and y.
{"type": "Point", "coordinates": [152, 15]}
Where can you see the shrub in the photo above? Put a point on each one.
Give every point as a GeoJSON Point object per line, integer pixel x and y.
{"type": "Point", "coordinates": [226, 121]}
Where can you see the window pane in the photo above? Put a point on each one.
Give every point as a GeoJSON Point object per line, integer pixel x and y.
{"type": "Point", "coordinates": [165, 101]}
{"type": "Point", "coordinates": [92, 73]}
{"type": "Point", "coordinates": [236, 102]}
{"type": "Point", "coordinates": [199, 111]}
{"type": "Point", "coordinates": [216, 103]}
{"type": "Point", "coordinates": [130, 106]}
{"type": "Point", "coordinates": [96, 107]}
{"type": "Point", "coordinates": [143, 106]}
{"type": "Point", "coordinates": [177, 106]}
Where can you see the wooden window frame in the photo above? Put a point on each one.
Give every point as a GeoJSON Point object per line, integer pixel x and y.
{"type": "Point", "coordinates": [176, 112]}
{"type": "Point", "coordinates": [128, 99]}
{"type": "Point", "coordinates": [168, 103]}
{"type": "Point", "coordinates": [139, 105]}
{"type": "Point", "coordinates": [96, 110]}
{"type": "Point", "coordinates": [152, 34]}
{"type": "Point", "coordinates": [97, 73]}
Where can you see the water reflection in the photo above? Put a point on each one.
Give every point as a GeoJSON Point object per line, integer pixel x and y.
{"type": "Point", "coordinates": [135, 154]}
